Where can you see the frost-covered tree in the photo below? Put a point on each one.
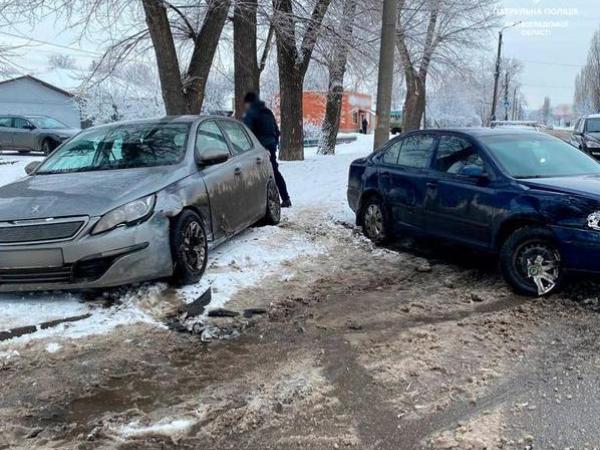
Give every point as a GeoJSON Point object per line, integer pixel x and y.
{"type": "Point", "coordinates": [587, 83]}
{"type": "Point", "coordinates": [297, 28]}
{"type": "Point", "coordinates": [183, 36]}
{"type": "Point", "coordinates": [434, 34]}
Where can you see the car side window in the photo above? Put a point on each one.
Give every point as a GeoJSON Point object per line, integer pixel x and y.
{"type": "Point", "coordinates": [237, 136]}
{"type": "Point", "coordinates": [416, 151]}
{"type": "Point", "coordinates": [6, 122]}
{"type": "Point", "coordinates": [454, 153]}
{"type": "Point", "coordinates": [209, 136]}
{"type": "Point", "coordinates": [390, 156]}
{"type": "Point", "coordinates": [22, 124]}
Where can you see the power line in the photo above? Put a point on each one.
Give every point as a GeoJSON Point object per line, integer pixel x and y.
{"type": "Point", "coordinates": [39, 41]}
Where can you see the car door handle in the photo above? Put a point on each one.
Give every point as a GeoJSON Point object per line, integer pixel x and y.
{"type": "Point", "coordinates": [237, 171]}
{"type": "Point", "coordinates": [259, 160]}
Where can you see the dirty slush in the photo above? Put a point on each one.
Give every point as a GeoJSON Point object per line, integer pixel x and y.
{"type": "Point", "coordinates": [399, 348]}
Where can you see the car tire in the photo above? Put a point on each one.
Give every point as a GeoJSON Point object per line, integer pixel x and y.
{"type": "Point", "coordinates": [48, 146]}
{"type": "Point", "coordinates": [374, 220]}
{"type": "Point", "coordinates": [530, 261]}
{"type": "Point", "coordinates": [189, 248]}
{"type": "Point", "coordinates": [273, 214]}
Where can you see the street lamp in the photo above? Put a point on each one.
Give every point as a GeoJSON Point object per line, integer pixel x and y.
{"type": "Point", "coordinates": [497, 73]}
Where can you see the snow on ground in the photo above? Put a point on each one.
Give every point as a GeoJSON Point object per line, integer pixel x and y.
{"type": "Point", "coordinates": [317, 186]}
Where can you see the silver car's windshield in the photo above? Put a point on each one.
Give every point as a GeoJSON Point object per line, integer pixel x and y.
{"type": "Point", "coordinates": [539, 156]}
{"type": "Point", "coordinates": [120, 147]}
{"type": "Point", "coordinates": [47, 123]}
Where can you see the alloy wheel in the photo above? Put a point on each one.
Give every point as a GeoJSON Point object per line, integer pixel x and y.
{"type": "Point", "coordinates": [273, 202]}
{"type": "Point", "coordinates": [373, 222]}
{"type": "Point", "coordinates": [539, 263]}
{"type": "Point", "coordinates": [193, 247]}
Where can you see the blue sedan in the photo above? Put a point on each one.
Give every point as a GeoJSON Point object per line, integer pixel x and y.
{"type": "Point", "coordinates": [528, 197]}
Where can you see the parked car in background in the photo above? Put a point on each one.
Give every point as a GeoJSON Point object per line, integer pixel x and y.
{"type": "Point", "coordinates": [520, 124]}
{"type": "Point", "coordinates": [33, 133]}
{"type": "Point", "coordinates": [586, 135]}
{"type": "Point", "coordinates": [396, 122]}
{"type": "Point", "coordinates": [133, 201]}
{"type": "Point", "coordinates": [529, 197]}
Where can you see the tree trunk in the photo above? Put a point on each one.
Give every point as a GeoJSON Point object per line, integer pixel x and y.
{"type": "Point", "coordinates": [333, 110]}
{"type": "Point", "coordinates": [335, 92]}
{"type": "Point", "coordinates": [166, 57]}
{"type": "Point", "coordinates": [292, 131]}
{"type": "Point", "coordinates": [386, 73]}
{"type": "Point", "coordinates": [293, 64]}
{"type": "Point", "coordinates": [246, 69]}
{"type": "Point", "coordinates": [205, 48]}
{"type": "Point", "coordinates": [414, 104]}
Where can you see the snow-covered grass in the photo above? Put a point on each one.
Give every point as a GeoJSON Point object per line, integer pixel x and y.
{"type": "Point", "coordinates": [317, 186]}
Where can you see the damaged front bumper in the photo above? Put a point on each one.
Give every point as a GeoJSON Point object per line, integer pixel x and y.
{"type": "Point", "coordinates": [122, 256]}
{"type": "Point", "coordinates": [579, 248]}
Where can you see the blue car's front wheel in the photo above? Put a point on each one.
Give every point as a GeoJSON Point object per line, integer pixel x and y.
{"type": "Point", "coordinates": [530, 261]}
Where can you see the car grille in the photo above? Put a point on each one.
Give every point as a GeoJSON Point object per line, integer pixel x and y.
{"type": "Point", "coordinates": [36, 231]}
{"type": "Point", "coordinates": [62, 274]}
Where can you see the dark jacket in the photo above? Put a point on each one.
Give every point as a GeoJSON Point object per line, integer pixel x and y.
{"type": "Point", "coordinates": [262, 123]}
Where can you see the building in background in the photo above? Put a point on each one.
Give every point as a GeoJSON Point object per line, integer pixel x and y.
{"type": "Point", "coordinates": [355, 108]}
{"type": "Point", "coordinates": [28, 95]}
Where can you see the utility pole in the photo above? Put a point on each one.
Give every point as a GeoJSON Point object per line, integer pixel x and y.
{"type": "Point", "coordinates": [514, 108]}
{"type": "Point", "coordinates": [386, 73]}
{"type": "Point", "coordinates": [506, 102]}
{"type": "Point", "coordinates": [497, 76]}
{"type": "Point", "coordinates": [497, 72]}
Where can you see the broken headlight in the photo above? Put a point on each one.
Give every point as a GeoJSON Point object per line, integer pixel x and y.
{"type": "Point", "coordinates": [593, 221]}
{"type": "Point", "coordinates": [128, 214]}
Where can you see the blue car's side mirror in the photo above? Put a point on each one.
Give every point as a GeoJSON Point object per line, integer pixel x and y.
{"type": "Point", "coordinates": [473, 171]}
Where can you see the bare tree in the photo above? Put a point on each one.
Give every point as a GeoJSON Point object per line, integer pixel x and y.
{"type": "Point", "coordinates": [247, 66]}
{"type": "Point", "coordinates": [434, 32]}
{"type": "Point", "coordinates": [587, 83]}
{"type": "Point", "coordinates": [337, 70]}
{"type": "Point", "coordinates": [190, 27]}
{"type": "Point", "coordinates": [293, 63]}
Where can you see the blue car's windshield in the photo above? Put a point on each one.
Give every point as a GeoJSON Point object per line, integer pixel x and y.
{"type": "Point", "coordinates": [120, 147]}
{"type": "Point", "coordinates": [539, 156]}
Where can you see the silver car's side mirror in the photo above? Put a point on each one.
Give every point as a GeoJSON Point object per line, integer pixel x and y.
{"type": "Point", "coordinates": [31, 167]}
{"type": "Point", "coordinates": [213, 156]}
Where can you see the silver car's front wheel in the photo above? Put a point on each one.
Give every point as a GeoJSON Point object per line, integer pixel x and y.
{"type": "Point", "coordinates": [189, 248]}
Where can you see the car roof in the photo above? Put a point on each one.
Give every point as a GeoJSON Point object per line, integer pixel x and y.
{"type": "Point", "coordinates": [480, 132]}
{"type": "Point", "coordinates": [592, 116]}
{"type": "Point", "coordinates": [166, 119]}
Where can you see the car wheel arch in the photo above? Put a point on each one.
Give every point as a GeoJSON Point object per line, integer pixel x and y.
{"type": "Point", "coordinates": [196, 210]}
{"type": "Point", "coordinates": [364, 198]}
{"type": "Point", "coordinates": [510, 225]}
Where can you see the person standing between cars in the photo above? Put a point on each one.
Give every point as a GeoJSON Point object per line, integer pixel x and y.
{"type": "Point", "coordinates": [263, 124]}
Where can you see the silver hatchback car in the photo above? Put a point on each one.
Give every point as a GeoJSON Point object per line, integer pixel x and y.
{"type": "Point", "coordinates": [135, 201]}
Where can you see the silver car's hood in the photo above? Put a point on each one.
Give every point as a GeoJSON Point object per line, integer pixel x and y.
{"type": "Point", "coordinates": [82, 194]}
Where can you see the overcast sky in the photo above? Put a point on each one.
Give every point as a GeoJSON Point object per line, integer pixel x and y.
{"type": "Point", "coordinates": [552, 43]}
{"type": "Point", "coordinates": [554, 50]}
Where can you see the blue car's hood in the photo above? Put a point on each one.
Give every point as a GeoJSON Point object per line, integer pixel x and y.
{"type": "Point", "coordinates": [585, 185]}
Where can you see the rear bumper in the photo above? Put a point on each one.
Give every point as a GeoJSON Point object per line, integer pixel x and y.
{"type": "Point", "coordinates": [122, 256]}
{"type": "Point", "coordinates": [580, 249]}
